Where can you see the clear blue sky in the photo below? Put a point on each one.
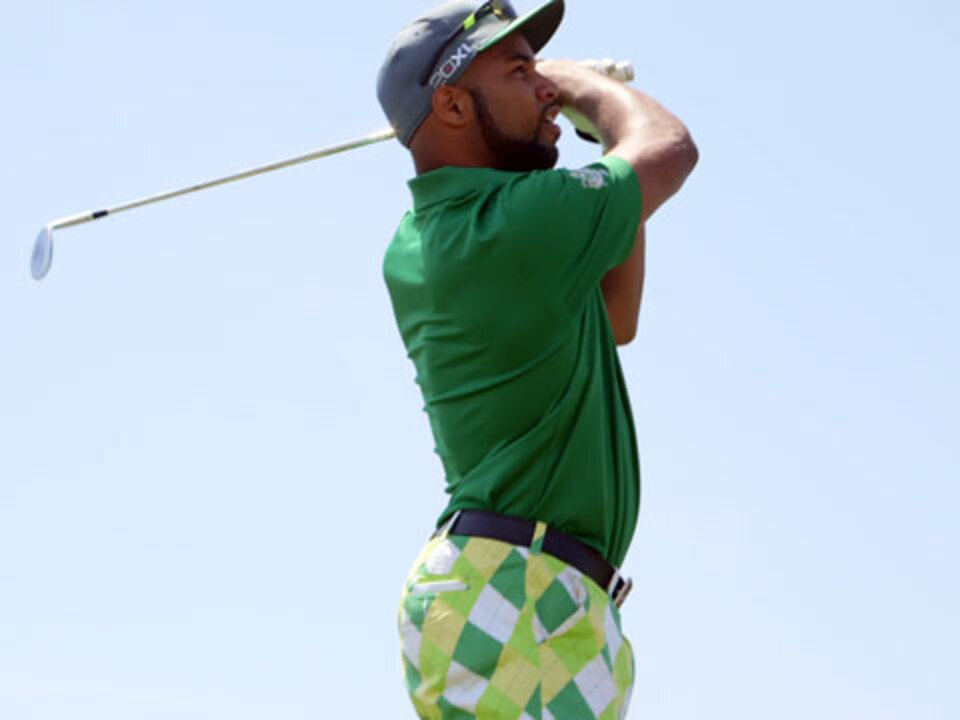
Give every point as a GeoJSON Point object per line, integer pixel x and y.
{"type": "Point", "coordinates": [214, 469]}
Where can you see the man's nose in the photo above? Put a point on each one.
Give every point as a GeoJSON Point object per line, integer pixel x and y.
{"type": "Point", "coordinates": [548, 91]}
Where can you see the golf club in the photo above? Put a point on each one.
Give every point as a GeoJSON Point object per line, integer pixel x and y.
{"type": "Point", "coordinates": [42, 256]}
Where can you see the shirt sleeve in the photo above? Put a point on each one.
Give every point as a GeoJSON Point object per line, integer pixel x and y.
{"type": "Point", "coordinates": [572, 226]}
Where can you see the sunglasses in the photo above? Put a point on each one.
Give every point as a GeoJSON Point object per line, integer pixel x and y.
{"type": "Point", "coordinates": [499, 8]}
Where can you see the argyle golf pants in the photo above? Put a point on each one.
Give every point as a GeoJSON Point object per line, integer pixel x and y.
{"type": "Point", "coordinates": [494, 631]}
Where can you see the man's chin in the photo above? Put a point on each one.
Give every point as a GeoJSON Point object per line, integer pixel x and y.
{"type": "Point", "coordinates": [527, 158]}
{"type": "Point", "coordinates": [551, 155]}
{"type": "Point", "coordinates": [552, 161]}
{"type": "Point", "coordinates": [545, 159]}
{"type": "Point", "coordinates": [543, 154]}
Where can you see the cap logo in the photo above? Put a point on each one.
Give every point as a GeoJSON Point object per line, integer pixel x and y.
{"type": "Point", "coordinates": [450, 66]}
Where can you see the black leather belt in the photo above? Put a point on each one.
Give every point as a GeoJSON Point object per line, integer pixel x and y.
{"type": "Point", "coordinates": [517, 531]}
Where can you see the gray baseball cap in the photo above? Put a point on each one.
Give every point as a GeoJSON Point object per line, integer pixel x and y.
{"type": "Point", "coordinates": [438, 47]}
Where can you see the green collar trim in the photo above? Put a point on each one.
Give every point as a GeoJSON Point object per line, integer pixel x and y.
{"type": "Point", "coordinates": [450, 183]}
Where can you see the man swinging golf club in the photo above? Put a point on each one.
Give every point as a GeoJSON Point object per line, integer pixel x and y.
{"type": "Point", "coordinates": [512, 284]}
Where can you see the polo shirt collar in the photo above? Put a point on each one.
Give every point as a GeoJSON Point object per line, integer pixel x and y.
{"type": "Point", "coordinates": [450, 183]}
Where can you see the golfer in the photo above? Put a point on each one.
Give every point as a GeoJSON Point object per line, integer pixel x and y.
{"type": "Point", "coordinates": [512, 284]}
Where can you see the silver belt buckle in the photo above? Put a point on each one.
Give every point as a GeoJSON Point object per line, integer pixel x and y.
{"type": "Point", "coordinates": [619, 596]}
{"type": "Point", "coordinates": [443, 529]}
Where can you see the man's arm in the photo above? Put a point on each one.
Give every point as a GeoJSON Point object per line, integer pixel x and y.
{"type": "Point", "coordinates": [657, 145]}
{"type": "Point", "coordinates": [622, 291]}
{"type": "Point", "coordinates": [632, 125]}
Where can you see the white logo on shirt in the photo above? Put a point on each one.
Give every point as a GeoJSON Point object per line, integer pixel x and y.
{"type": "Point", "coordinates": [591, 178]}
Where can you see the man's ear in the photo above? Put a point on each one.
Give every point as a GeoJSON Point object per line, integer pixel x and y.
{"type": "Point", "coordinates": [453, 106]}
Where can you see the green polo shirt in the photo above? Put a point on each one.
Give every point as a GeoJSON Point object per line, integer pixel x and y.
{"type": "Point", "coordinates": [495, 282]}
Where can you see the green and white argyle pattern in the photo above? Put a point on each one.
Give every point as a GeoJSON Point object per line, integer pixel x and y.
{"type": "Point", "coordinates": [498, 632]}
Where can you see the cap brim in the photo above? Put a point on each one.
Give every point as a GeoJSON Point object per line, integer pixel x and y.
{"type": "Point", "coordinates": [537, 26]}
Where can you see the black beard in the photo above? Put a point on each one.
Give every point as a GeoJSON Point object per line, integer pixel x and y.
{"type": "Point", "coordinates": [513, 155]}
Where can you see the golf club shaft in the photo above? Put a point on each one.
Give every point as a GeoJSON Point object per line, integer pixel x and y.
{"type": "Point", "coordinates": [89, 216]}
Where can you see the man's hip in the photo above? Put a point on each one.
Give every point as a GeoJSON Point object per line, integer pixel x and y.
{"type": "Point", "coordinates": [493, 629]}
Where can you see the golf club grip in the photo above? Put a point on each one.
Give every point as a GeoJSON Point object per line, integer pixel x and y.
{"type": "Point", "coordinates": [621, 71]}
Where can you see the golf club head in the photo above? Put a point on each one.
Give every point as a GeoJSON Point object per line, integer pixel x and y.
{"type": "Point", "coordinates": [42, 254]}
